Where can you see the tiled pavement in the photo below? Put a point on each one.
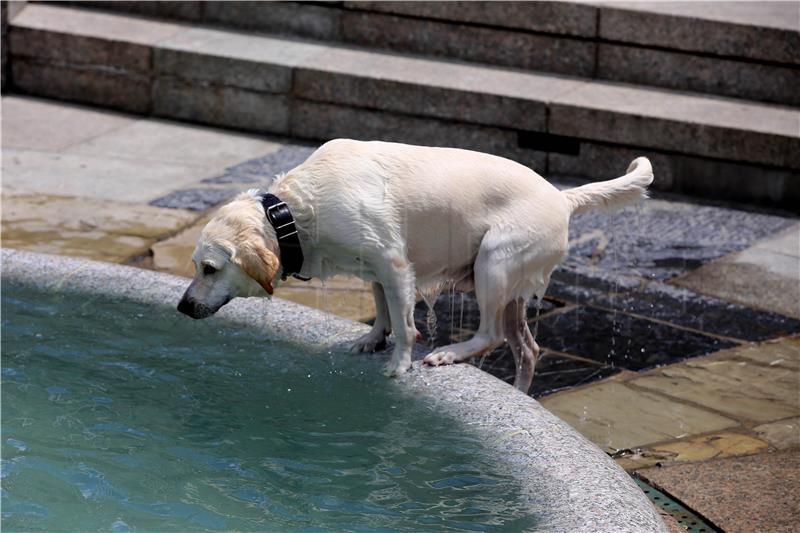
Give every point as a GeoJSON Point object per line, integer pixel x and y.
{"type": "Point", "coordinates": [669, 327]}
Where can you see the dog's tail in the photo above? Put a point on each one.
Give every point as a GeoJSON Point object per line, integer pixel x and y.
{"type": "Point", "coordinates": [613, 193]}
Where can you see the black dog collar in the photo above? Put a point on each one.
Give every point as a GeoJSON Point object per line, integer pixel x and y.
{"type": "Point", "coordinates": [282, 220]}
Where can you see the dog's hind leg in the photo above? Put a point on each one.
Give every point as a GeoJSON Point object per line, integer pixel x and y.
{"type": "Point", "coordinates": [376, 338]}
{"type": "Point", "coordinates": [492, 287]}
{"type": "Point", "coordinates": [522, 343]}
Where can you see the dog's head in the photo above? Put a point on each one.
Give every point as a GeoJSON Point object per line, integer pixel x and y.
{"type": "Point", "coordinates": [234, 257]}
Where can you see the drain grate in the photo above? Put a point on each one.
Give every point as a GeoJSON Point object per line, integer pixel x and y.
{"type": "Point", "coordinates": [686, 518]}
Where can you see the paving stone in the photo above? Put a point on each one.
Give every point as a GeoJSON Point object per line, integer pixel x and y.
{"type": "Point", "coordinates": [221, 106]}
{"type": "Point", "coordinates": [36, 124]}
{"type": "Point", "coordinates": [690, 175]}
{"type": "Point", "coordinates": [97, 229]}
{"type": "Point", "coordinates": [758, 30]}
{"type": "Point", "coordinates": [616, 417]}
{"type": "Point", "coordinates": [620, 340]}
{"type": "Point", "coordinates": [314, 120]}
{"type": "Point", "coordinates": [349, 303]}
{"type": "Point", "coordinates": [786, 243]}
{"type": "Point", "coordinates": [780, 353]}
{"type": "Point", "coordinates": [160, 140]}
{"type": "Point", "coordinates": [730, 129]}
{"type": "Point", "coordinates": [93, 176]}
{"type": "Point", "coordinates": [472, 43]}
{"type": "Point", "coordinates": [783, 434]}
{"type": "Point", "coordinates": [315, 21]}
{"type": "Point", "coordinates": [688, 72]}
{"type": "Point", "coordinates": [762, 276]}
{"type": "Point", "coordinates": [736, 388]}
{"type": "Point", "coordinates": [106, 88]}
{"type": "Point", "coordinates": [261, 170]}
{"type": "Point", "coordinates": [195, 199]}
{"type": "Point", "coordinates": [552, 17]}
{"type": "Point", "coordinates": [174, 254]}
{"type": "Point", "coordinates": [737, 494]}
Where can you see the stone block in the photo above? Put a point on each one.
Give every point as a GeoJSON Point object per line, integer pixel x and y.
{"type": "Point", "coordinates": [547, 17]}
{"type": "Point", "coordinates": [220, 70]}
{"type": "Point", "coordinates": [737, 389]}
{"type": "Point", "coordinates": [684, 123]}
{"type": "Point", "coordinates": [83, 84]}
{"type": "Point", "coordinates": [428, 88]}
{"type": "Point", "coordinates": [295, 18]}
{"type": "Point", "coordinates": [765, 31]}
{"type": "Point", "coordinates": [181, 10]}
{"type": "Point", "coordinates": [695, 176]}
{"type": "Point", "coordinates": [320, 121]}
{"type": "Point", "coordinates": [616, 417]}
{"type": "Point", "coordinates": [240, 60]}
{"type": "Point", "coordinates": [78, 50]}
{"type": "Point", "coordinates": [689, 72]}
{"type": "Point", "coordinates": [221, 106]}
{"type": "Point", "coordinates": [471, 43]}
{"type": "Point", "coordinates": [52, 33]}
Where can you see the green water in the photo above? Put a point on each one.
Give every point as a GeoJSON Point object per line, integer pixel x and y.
{"type": "Point", "coordinates": [118, 417]}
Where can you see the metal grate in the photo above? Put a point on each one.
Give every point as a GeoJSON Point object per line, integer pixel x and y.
{"type": "Point", "coordinates": [686, 518]}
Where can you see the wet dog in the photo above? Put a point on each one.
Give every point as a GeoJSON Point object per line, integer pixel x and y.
{"type": "Point", "coordinates": [406, 218]}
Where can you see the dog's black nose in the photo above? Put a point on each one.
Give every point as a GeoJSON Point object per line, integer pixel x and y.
{"type": "Point", "coordinates": [186, 306]}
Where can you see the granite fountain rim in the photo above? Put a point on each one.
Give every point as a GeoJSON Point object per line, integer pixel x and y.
{"type": "Point", "coordinates": [587, 490]}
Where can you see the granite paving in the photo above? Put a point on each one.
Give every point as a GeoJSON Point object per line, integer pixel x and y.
{"type": "Point", "coordinates": [783, 434]}
{"type": "Point", "coordinates": [753, 392]}
{"type": "Point", "coordinates": [86, 227]}
{"type": "Point", "coordinates": [737, 494]}
{"type": "Point", "coordinates": [603, 413]}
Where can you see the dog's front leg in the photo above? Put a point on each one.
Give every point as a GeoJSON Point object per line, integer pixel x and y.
{"type": "Point", "coordinates": [397, 279]}
{"type": "Point", "coordinates": [376, 338]}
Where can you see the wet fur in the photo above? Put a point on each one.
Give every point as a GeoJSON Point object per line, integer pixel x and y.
{"type": "Point", "coordinates": [407, 217]}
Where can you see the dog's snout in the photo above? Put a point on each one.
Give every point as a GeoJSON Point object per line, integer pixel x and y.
{"type": "Point", "coordinates": [186, 306]}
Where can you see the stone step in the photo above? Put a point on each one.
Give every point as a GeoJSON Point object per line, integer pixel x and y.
{"type": "Point", "coordinates": [700, 144]}
{"type": "Point", "coordinates": [747, 50]}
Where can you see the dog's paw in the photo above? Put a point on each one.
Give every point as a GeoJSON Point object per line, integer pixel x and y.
{"type": "Point", "coordinates": [439, 358]}
{"type": "Point", "coordinates": [371, 342]}
{"type": "Point", "coordinates": [395, 371]}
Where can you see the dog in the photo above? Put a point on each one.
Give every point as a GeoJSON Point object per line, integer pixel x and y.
{"type": "Point", "coordinates": [406, 218]}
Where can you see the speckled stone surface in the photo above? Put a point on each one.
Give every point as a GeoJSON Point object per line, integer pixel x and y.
{"type": "Point", "coordinates": [738, 494]}
{"type": "Point", "coordinates": [583, 489]}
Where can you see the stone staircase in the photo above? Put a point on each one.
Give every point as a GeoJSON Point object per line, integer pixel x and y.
{"type": "Point", "coordinates": [708, 91]}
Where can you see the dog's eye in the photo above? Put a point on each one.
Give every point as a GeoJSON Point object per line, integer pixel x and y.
{"type": "Point", "coordinates": [208, 270]}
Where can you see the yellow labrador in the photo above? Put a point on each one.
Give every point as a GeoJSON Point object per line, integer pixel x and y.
{"type": "Point", "coordinates": [407, 217]}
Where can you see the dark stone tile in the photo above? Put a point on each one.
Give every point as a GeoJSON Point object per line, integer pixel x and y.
{"type": "Point", "coordinates": [555, 372]}
{"type": "Point", "coordinates": [675, 305]}
{"type": "Point", "coordinates": [620, 340]}
{"type": "Point", "coordinates": [194, 199]}
{"type": "Point", "coordinates": [263, 169]}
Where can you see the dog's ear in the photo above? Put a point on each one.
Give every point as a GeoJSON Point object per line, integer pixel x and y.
{"type": "Point", "coordinates": [258, 263]}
